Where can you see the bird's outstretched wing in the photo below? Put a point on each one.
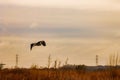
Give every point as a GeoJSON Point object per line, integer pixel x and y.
{"type": "Point", "coordinates": [37, 44]}
{"type": "Point", "coordinates": [43, 43]}
{"type": "Point", "coordinates": [31, 46]}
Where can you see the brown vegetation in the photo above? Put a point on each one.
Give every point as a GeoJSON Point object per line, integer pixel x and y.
{"type": "Point", "coordinates": [66, 72]}
{"type": "Point", "coordinates": [59, 74]}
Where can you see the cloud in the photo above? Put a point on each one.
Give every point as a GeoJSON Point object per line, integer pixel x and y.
{"type": "Point", "coordinates": [17, 15]}
{"type": "Point", "coordinates": [34, 25]}
{"type": "Point", "coordinates": [78, 4]}
{"type": "Point", "coordinates": [17, 20]}
{"type": "Point", "coordinates": [61, 31]}
{"type": "Point", "coordinates": [4, 43]}
{"type": "Point", "coordinates": [2, 29]}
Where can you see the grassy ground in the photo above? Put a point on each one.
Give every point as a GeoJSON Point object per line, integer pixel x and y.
{"type": "Point", "coordinates": [59, 74]}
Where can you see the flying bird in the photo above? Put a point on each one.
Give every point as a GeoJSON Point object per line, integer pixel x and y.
{"type": "Point", "coordinates": [43, 43]}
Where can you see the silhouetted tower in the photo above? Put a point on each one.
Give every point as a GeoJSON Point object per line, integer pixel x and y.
{"type": "Point", "coordinates": [96, 60]}
{"type": "Point", "coordinates": [66, 62]}
{"type": "Point", "coordinates": [16, 61]}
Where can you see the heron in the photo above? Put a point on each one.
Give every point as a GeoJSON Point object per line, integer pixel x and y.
{"type": "Point", "coordinates": [39, 43]}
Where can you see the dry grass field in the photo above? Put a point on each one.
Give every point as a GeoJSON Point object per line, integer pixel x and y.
{"type": "Point", "coordinates": [59, 74]}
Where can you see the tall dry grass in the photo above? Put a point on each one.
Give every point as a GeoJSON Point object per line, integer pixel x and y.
{"type": "Point", "coordinates": [58, 74]}
{"type": "Point", "coordinates": [80, 72]}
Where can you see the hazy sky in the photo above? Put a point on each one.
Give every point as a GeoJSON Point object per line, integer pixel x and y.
{"type": "Point", "coordinates": [71, 28]}
{"type": "Point", "coordinates": [104, 4]}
